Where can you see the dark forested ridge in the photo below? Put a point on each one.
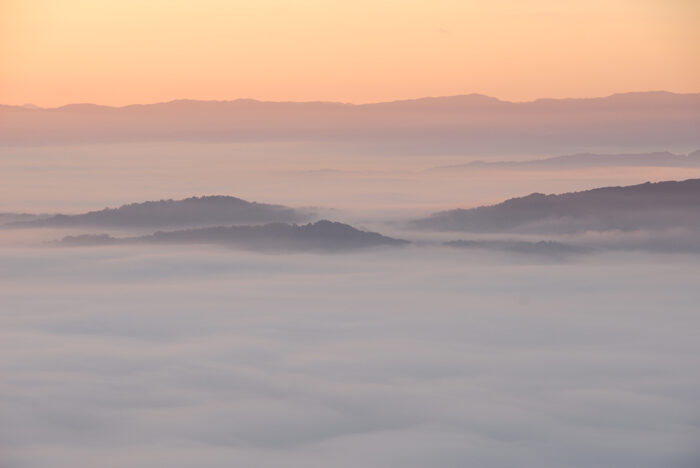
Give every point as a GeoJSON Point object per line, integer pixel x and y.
{"type": "Point", "coordinates": [660, 205]}
{"type": "Point", "coordinates": [209, 210]}
{"type": "Point", "coordinates": [322, 235]}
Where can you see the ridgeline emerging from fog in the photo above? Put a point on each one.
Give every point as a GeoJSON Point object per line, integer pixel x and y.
{"type": "Point", "coordinates": [660, 216]}
{"type": "Point", "coordinates": [649, 206]}
{"type": "Point", "coordinates": [319, 236]}
{"type": "Point", "coordinates": [193, 211]}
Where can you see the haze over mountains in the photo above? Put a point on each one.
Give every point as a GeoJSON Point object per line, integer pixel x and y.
{"type": "Point", "coordinates": [468, 123]}
{"type": "Point", "coordinates": [193, 211]}
{"type": "Point", "coordinates": [649, 206]}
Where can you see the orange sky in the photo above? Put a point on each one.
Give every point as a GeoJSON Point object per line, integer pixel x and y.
{"type": "Point", "coordinates": [117, 52]}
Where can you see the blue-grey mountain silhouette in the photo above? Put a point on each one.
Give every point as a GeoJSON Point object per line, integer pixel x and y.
{"type": "Point", "coordinates": [194, 211]}
{"type": "Point", "coordinates": [321, 236]}
{"type": "Point", "coordinates": [660, 205]}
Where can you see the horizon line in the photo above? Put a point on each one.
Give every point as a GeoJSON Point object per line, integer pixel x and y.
{"type": "Point", "coordinates": [31, 106]}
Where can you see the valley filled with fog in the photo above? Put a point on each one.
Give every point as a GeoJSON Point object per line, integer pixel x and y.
{"type": "Point", "coordinates": [273, 342]}
{"type": "Point", "coordinates": [199, 356]}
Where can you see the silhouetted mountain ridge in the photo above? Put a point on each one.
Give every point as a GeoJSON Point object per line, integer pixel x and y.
{"type": "Point", "coordinates": [467, 123]}
{"type": "Point", "coordinates": [322, 235]}
{"type": "Point", "coordinates": [206, 210]}
{"type": "Point", "coordinates": [660, 205]}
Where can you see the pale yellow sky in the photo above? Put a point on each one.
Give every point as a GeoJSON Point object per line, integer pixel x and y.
{"type": "Point", "coordinates": [118, 52]}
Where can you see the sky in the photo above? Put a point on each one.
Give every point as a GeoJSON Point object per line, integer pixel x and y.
{"type": "Point", "coordinates": [118, 52]}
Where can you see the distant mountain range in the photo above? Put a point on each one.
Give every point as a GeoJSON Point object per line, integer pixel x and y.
{"type": "Point", "coordinates": [649, 206]}
{"type": "Point", "coordinates": [194, 211]}
{"type": "Point", "coordinates": [467, 124]}
{"type": "Point", "coordinates": [319, 236]}
{"type": "Point", "coordinates": [583, 160]}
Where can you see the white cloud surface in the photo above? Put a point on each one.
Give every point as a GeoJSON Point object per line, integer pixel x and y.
{"type": "Point", "coordinates": [142, 357]}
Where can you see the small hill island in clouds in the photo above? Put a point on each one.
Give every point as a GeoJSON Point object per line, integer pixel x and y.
{"type": "Point", "coordinates": [322, 235]}
{"type": "Point", "coordinates": [193, 211]}
{"type": "Point", "coordinates": [649, 206]}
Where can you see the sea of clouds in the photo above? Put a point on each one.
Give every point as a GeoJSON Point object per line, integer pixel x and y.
{"type": "Point", "coordinates": [412, 357]}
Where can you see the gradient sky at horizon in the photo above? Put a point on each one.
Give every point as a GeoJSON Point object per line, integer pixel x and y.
{"type": "Point", "coordinates": [119, 52]}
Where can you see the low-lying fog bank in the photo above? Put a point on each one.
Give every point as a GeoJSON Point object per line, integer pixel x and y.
{"type": "Point", "coordinates": [183, 357]}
